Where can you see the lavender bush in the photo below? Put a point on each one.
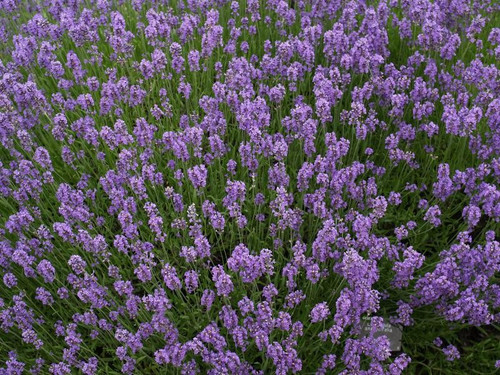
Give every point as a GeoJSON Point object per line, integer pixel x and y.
{"type": "Point", "coordinates": [249, 187]}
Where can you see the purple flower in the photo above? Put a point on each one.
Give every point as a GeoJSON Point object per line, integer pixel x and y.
{"type": "Point", "coordinates": [405, 269]}
{"type": "Point", "coordinates": [170, 277]}
{"type": "Point", "coordinates": [451, 353]}
{"type": "Point", "coordinates": [198, 176]}
{"type": "Point", "coordinates": [432, 215]}
{"type": "Point", "coordinates": [44, 296]}
{"type": "Point", "coordinates": [191, 280]}
{"type": "Point", "coordinates": [46, 270]}
{"type": "Point", "coordinates": [222, 281]}
{"type": "Point", "coordinates": [319, 312]}
{"type": "Point", "coordinates": [207, 299]}
{"type": "Point", "coordinates": [9, 280]}
{"type": "Point", "coordinates": [77, 264]}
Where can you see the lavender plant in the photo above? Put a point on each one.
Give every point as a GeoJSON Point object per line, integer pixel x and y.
{"type": "Point", "coordinates": [249, 187]}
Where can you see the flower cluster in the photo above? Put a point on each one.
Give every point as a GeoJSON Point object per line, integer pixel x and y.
{"type": "Point", "coordinates": [233, 187]}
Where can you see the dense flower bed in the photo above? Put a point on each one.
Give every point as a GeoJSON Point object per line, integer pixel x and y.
{"type": "Point", "coordinates": [219, 187]}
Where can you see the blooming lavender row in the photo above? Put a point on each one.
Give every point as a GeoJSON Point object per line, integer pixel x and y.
{"type": "Point", "coordinates": [217, 187]}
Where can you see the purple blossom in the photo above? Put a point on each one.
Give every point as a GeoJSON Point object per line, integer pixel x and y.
{"type": "Point", "coordinates": [432, 215]}
{"type": "Point", "coordinates": [222, 281]}
{"type": "Point", "coordinates": [46, 270]}
{"type": "Point", "coordinates": [170, 277]}
{"type": "Point", "coordinates": [319, 312]}
{"type": "Point", "coordinates": [198, 176]}
{"type": "Point", "coordinates": [451, 353]}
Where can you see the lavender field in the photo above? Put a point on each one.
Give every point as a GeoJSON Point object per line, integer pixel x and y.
{"type": "Point", "coordinates": [249, 187]}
